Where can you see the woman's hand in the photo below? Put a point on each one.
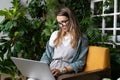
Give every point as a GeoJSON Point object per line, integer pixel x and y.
{"type": "Point", "coordinates": [56, 72]}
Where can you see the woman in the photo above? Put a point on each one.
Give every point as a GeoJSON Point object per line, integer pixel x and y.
{"type": "Point", "coordinates": [67, 47]}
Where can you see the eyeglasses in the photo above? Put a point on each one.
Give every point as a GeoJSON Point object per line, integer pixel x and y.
{"type": "Point", "coordinates": [63, 23]}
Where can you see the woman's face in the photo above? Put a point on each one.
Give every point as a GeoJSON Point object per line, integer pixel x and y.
{"type": "Point", "coordinates": [63, 22]}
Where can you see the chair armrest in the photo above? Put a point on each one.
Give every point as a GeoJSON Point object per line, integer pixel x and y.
{"type": "Point", "coordinates": [89, 75]}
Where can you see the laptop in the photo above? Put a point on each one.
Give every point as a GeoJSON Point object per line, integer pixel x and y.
{"type": "Point", "coordinates": [33, 69]}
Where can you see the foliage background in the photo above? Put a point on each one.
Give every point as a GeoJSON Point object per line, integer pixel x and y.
{"type": "Point", "coordinates": [27, 29]}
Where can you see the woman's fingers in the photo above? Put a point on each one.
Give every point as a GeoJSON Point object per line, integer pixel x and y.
{"type": "Point", "coordinates": [55, 72]}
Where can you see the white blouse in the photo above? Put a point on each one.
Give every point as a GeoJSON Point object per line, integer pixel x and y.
{"type": "Point", "coordinates": [62, 53]}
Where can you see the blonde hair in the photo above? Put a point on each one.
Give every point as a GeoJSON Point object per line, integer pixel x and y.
{"type": "Point", "coordinates": [74, 29]}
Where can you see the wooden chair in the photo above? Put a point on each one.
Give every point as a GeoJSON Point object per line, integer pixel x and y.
{"type": "Point", "coordinates": [97, 66]}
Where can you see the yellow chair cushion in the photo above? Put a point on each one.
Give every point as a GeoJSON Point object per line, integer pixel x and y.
{"type": "Point", "coordinates": [97, 58]}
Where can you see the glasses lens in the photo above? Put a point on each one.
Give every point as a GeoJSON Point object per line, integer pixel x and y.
{"type": "Point", "coordinates": [63, 23]}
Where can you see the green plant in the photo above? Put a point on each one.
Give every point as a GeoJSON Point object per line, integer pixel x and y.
{"type": "Point", "coordinates": [50, 24]}
{"type": "Point", "coordinates": [9, 37]}
{"type": "Point", "coordinates": [80, 8]}
{"type": "Point", "coordinates": [22, 37]}
{"type": "Point", "coordinates": [44, 10]}
{"type": "Point", "coordinates": [37, 8]}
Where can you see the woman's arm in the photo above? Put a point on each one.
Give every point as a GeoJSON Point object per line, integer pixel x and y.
{"type": "Point", "coordinates": [47, 55]}
{"type": "Point", "coordinates": [79, 60]}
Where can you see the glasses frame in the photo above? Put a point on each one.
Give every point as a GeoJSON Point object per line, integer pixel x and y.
{"type": "Point", "coordinates": [63, 23]}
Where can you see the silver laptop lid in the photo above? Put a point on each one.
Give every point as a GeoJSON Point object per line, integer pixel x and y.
{"type": "Point", "coordinates": [33, 69]}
